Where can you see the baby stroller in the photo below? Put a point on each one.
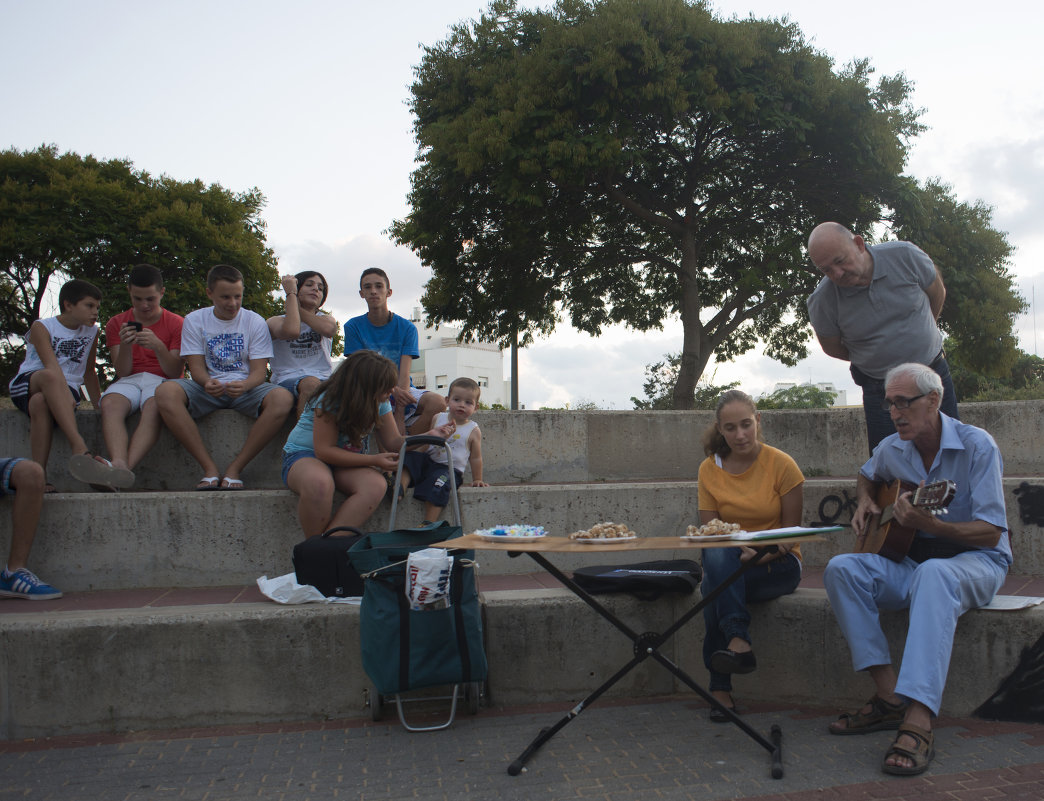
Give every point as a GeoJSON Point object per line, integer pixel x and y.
{"type": "Point", "coordinates": [405, 649]}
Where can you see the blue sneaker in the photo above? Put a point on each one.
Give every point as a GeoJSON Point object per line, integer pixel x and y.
{"type": "Point", "coordinates": [24, 584]}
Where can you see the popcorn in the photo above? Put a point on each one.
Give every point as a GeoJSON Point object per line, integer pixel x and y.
{"type": "Point", "coordinates": [712, 529]}
{"type": "Point", "coordinates": [604, 531]}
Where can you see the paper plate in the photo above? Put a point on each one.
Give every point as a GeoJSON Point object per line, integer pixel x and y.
{"type": "Point", "coordinates": [517, 533]}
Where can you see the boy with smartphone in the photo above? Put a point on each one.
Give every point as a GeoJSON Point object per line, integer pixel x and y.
{"type": "Point", "coordinates": [145, 347]}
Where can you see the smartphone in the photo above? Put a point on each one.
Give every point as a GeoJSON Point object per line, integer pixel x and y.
{"type": "Point", "coordinates": [134, 324]}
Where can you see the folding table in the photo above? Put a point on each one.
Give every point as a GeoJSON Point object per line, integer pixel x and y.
{"type": "Point", "coordinates": [646, 644]}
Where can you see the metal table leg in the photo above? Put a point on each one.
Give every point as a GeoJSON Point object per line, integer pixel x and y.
{"type": "Point", "coordinates": [646, 645]}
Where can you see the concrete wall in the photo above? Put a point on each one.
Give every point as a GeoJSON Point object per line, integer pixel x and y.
{"type": "Point", "coordinates": [192, 666]}
{"type": "Point", "coordinates": [207, 665]}
{"type": "Point", "coordinates": [553, 446]}
{"type": "Point", "coordinates": [95, 541]}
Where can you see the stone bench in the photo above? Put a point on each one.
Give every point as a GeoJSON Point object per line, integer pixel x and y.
{"type": "Point", "coordinates": [557, 446]}
{"type": "Point", "coordinates": [171, 667]}
{"type": "Point", "coordinates": [92, 541]}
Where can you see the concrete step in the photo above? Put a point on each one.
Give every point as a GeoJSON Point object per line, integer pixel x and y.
{"type": "Point", "coordinates": [96, 541]}
{"type": "Point", "coordinates": [558, 446]}
{"type": "Point", "coordinates": [210, 660]}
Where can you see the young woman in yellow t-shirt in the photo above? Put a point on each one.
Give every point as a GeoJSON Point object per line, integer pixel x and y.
{"type": "Point", "coordinates": [743, 481]}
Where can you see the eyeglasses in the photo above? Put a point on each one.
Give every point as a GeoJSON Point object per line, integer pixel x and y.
{"type": "Point", "coordinates": [900, 403]}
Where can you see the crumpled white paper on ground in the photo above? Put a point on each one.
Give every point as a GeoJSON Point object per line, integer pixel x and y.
{"type": "Point", "coordinates": [286, 590]}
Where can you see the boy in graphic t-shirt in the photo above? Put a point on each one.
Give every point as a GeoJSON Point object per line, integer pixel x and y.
{"type": "Point", "coordinates": [226, 349]}
{"type": "Point", "coordinates": [59, 357]}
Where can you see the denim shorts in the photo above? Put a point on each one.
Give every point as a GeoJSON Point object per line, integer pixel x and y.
{"type": "Point", "coordinates": [429, 478]}
{"type": "Point", "coordinates": [6, 468]}
{"type": "Point", "coordinates": [290, 458]}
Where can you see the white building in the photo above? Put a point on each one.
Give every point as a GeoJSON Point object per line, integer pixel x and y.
{"type": "Point", "coordinates": [443, 358]}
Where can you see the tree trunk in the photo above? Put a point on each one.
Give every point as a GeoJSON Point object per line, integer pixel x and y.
{"type": "Point", "coordinates": [695, 354]}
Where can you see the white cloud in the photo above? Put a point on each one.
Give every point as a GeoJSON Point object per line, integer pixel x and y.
{"type": "Point", "coordinates": [308, 102]}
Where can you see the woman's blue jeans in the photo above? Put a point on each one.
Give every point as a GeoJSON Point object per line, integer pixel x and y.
{"type": "Point", "coordinates": [728, 617]}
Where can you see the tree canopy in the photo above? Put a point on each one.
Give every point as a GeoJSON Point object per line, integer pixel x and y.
{"type": "Point", "coordinates": [981, 300]}
{"type": "Point", "coordinates": [628, 161]}
{"type": "Point", "coordinates": [801, 396]}
{"type": "Point", "coordinates": [65, 216]}
{"type": "Point", "coordinates": [662, 377]}
{"type": "Point", "coordinates": [1024, 381]}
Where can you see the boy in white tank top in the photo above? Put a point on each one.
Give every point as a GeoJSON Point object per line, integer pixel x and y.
{"type": "Point", "coordinates": [427, 472]}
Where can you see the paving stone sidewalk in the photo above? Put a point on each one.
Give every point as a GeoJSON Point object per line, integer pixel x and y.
{"type": "Point", "coordinates": [663, 749]}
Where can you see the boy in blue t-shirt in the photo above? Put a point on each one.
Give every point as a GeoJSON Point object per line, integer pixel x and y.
{"type": "Point", "coordinates": [395, 338]}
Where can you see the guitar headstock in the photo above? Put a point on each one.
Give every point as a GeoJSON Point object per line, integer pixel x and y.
{"type": "Point", "coordinates": [934, 497]}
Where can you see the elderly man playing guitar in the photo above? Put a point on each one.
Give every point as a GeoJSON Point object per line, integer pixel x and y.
{"type": "Point", "coordinates": [956, 561]}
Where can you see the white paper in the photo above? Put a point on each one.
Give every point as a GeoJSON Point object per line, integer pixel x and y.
{"type": "Point", "coordinates": [788, 531]}
{"type": "Point", "coordinates": [1006, 603]}
{"type": "Point", "coordinates": [286, 590]}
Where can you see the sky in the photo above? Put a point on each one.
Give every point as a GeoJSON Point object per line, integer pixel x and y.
{"type": "Point", "coordinates": [308, 101]}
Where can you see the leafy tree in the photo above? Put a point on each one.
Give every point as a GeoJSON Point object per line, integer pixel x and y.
{"type": "Point", "coordinates": [584, 405]}
{"type": "Point", "coordinates": [1025, 381]}
{"type": "Point", "coordinates": [65, 216]}
{"type": "Point", "coordinates": [624, 161]}
{"type": "Point", "coordinates": [804, 396]}
{"type": "Point", "coordinates": [660, 380]}
{"type": "Point", "coordinates": [981, 300]}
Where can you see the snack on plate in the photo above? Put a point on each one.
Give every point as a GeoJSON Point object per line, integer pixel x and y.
{"type": "Point", "coordinates": [715, 528]}
{"type": "Point", "coordinates": [604, 531]}
{"type": "Point", "coordinates": [518, 530]}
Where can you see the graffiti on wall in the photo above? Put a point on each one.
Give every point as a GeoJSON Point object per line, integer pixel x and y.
{"type": "Point", "coordinates": [836, 510]}
{"type": "Point", "coordinates": [1031, 504]}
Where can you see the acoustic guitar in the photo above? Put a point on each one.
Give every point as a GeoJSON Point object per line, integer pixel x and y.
{"type": "Point", "coordinates": [885, 535]}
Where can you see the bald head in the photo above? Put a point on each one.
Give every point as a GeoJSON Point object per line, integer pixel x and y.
{"type": "Point", "coordinates": [840, 255]}
{"type": "Point", "coordinates": [828, 231]}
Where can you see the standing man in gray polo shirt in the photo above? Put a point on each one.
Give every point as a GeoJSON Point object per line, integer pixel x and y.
{"type": "Point", "coordinates": [877, 307]}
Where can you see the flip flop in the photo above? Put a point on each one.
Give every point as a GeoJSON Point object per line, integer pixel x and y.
{"type": "Point", "coordinates": [208, 484]}
{"type": "Point", "coordinates": [95, 470]}
{"type": "Point", "coordinates": [231, 484]}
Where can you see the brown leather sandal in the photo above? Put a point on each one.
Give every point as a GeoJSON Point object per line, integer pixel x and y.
{"type": "Point", "coordinates": [882, 716]}
{"type": "Point", "coordinates": [921, 756]}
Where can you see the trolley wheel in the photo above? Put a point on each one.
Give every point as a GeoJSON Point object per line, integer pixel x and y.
{"type": "Point", "coordinates": [473, 696]}
{"type": "Point", "coordinates": [376, 705]}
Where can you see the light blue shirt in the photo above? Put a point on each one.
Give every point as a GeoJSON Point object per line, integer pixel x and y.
{"type": "Point", "coordinates": [970, 458]}
{"type": "Point", "coordinates": [300, 438]}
